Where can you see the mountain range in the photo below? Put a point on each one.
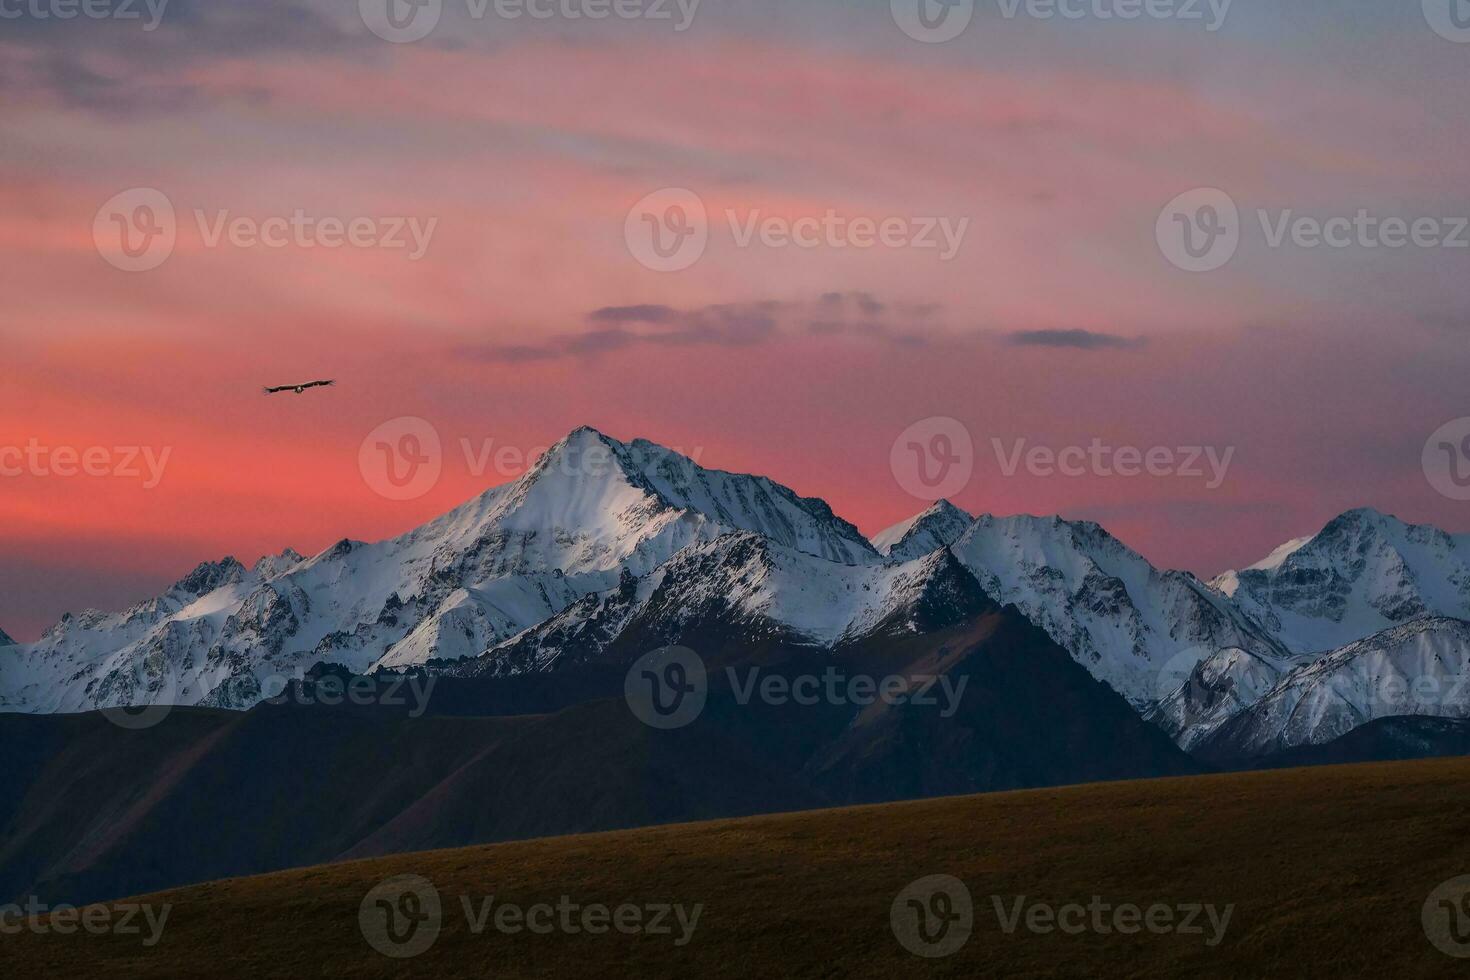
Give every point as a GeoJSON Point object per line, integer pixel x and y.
{"type": "Point", "coordinates": [605, 549]}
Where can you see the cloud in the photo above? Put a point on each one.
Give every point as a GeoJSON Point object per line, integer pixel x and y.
{"type": "Point", "coordinates": [647, 313]}
{"type": "Point", "coordinates": [507, 353]}
{"type": "Point", "coordinates": [865, 302]}
{"type": "Point", "coordinates": [1074, 340]}
{"type": "Point", "coordinates": [136, 64]}
{"type": "Point", "coordinates": [614, 328]}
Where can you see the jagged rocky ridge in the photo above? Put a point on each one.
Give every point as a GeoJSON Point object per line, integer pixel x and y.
{"type": "Point", "coordinates": [592, 515]}
{"type": "Point", "coordinates": [603, 544]}
{"type": "Point", "coordinates": [1347, 605]}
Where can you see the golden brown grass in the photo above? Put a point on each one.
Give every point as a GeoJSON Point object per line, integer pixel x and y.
{"type": "Point", "coordinates": [1327, 868]}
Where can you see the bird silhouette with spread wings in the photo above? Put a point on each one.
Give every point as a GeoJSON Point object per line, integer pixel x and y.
{"type": "Point", "coordinates": [298, 388]}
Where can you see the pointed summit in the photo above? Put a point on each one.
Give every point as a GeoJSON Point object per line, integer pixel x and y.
{"type": "Point", "coordinates": [588, 475]}
{"type": "Point", "coordinates": [208, 576]}
{"type": "Point", "coordinates": [1364, 572]}
{"type": "Point", "coordinates": [270, 566]}
{"type": "Point", "coordinates": [937, 527]}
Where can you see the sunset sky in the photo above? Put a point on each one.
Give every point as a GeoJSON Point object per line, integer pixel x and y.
{"type": "Point", "coordinates": [1059, 319]}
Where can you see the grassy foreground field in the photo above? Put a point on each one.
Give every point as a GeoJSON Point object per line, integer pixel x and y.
{"type": "Point", "coordinates": [1328, 871]}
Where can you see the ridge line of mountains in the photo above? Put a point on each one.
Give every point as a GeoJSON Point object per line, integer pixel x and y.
{"type": "Point", "coordinates": [605, 549]}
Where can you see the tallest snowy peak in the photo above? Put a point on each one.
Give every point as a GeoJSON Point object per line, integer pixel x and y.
{"type": "Point", "coordinates": [588, 479]}
{"type": "Point", "coordinates": [582, 453]}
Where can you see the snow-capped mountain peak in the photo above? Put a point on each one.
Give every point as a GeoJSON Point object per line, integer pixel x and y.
{"type": "Point", "coordinates": [590, 512]}
{"type": "Point", "coordinates": [1417, 668]}
{"type": "Point", "coordinates": [1120, 617]}
{"type": "Point", "coordinates": [744, 502]}
{"type": "Point", "coordinates": [938, 526]}
{"type": "Point", "coordinates": [604, 546]}
{"type": "Point", "coordinates": [270, 566]}
{"type": "Point", "coordinates": [1364, 572]}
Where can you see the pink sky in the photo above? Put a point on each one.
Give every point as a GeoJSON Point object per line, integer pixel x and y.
{"type": "Point", "coordinates": [1324, 370]}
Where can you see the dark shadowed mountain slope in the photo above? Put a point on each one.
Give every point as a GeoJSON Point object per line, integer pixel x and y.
{"type": "Point", "coordinates": [95, 811]}
{"type": "Point", "coordinates": [1383, 740]}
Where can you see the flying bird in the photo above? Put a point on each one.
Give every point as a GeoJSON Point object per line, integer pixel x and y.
{"type": "Point", "coordinates": [298, 388]}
